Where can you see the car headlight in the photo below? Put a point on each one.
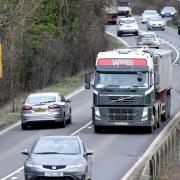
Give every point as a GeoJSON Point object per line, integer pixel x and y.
{"type": "Point", "coordinates": [28, 165]}
{"type": "Point", "coordinates": [97, 113]}
{"type": "Point", "coordinates": [172, 13]}
{"type": "Point", "coordinates": [162, 12]}
{"type": "Point", "coordinates": [145, 112]}
{"type": "Point", "coordinates": [75, 168]}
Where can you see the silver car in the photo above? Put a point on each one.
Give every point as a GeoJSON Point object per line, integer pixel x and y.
{"type": "Point", "coordinates": [148, 39]}
{"type": "Point", "coordinates": [127, 26]}
{"type": "Point", "coordinates": [147, 14]}
{"type": "Point", "coordinates": [156, 22]}
{"type": "Point", "coordinates": [58, 157]}
{"type": "Point", "coordinates": [41, 107]}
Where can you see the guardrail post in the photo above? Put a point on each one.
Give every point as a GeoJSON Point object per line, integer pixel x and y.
{"type": "Point", "coordinates": [158, 163]}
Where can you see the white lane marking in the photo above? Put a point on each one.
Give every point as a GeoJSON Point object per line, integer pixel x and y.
{"type": "Point", "coordinates": [8, 176]}
{"type": "Point", "coordinates": [172, 46]}
{"type": "Point", "coordinates": [14, 178]}
{"type": "Point", "coordinates": [18, 123]}
{"type": "Point", "coordinates": [73, 134]}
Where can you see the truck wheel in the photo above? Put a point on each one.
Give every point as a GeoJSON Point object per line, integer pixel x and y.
{"type": "Point", "coordinates": [24, 126]}
{"type": "Point", "coordinates": [97, 129]}
{"type": "Point", "coordinates": [150, 129]}
{"type": "Point", "coordinates": [159, 120]}
{"type": "Point", "coordinates": [166, 115]}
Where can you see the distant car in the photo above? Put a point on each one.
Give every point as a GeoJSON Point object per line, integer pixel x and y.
{"type": "Point", "coordinates": [127, 26]}
{"type": "Point", "coordinates": [58, 157]}
{"type": "Point", "coordinates": [41, 107]}
{"type": "Point", "coordinates": [147, 14]}
{"type": "Point", "coordinates": [149, 39]}
{"type": "Point", "coordinates": [156, 22]}
{"type": "Point", "coordinates": [168, 11]}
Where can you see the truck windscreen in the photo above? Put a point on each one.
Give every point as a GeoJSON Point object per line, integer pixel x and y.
{"type": "Point", "coordinates": [121, 80]}
{"type": "Point", "coordinates": [123, 4]}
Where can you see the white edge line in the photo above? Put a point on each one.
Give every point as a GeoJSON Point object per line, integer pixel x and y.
{"type": "Point", "coordinates": [20, 169]}
{"type": "Point", "coordinates": [177, 52]}
{"type": "Point", "coordinates": [18, 123]}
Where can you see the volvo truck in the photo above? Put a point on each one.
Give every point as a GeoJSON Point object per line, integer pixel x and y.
{"type": "Point", "coordinates": [131, 87]}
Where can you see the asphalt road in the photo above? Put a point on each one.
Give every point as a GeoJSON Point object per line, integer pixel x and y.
{"type": "Point", "coordinates": [114, 152]}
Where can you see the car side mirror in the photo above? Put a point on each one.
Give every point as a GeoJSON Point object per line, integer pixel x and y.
{"type": "Point", "coordinates": [88, 152]}
{"type": "Point", "coordinates": [68, 100]}
{"type": "Point", "coordinates": [87, 80]}
{"type": "Point", "coordinates": [25, 152]}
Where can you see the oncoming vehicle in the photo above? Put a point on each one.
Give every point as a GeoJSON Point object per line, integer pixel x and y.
{"type": "Point", "coordinates": [148, 38]}
{"type": "Point", "coordinates": [156, 22]}
{"type": "Point", "coordinates": [58, 157]}
{"type": "Point", "coordinates": [45, 107]}
{"type": "Point", "coordinates": [131, 87]}
{"type": "Point", "coordinates": [147, 14]}
{"type": "Point", "coordinates": [168, 11]}
{"type": "Point", "coordinates": [127, 26]}
{"type": "Point", "coordinates": [124, 8]}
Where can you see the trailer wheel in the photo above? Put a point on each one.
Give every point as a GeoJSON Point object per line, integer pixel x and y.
{"type": "Point", "coordinates": [159, 119]}
{"type": "Point", "coordinates": [166, 115]}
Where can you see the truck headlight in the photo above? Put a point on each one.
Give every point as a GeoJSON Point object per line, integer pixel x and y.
{"type": "Point", "coordinates": [145, 112]}
{"type": "Point", "coordinates": [97, 113]}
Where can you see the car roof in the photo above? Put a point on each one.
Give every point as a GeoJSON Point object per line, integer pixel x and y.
{"type": "Point", "coordinates": [142, 33]}
{"type": "Point", "coordinates": [44, 94]}
{"type": "Point", "coordinates": [150, 10]}
{"type": "Point", "coordinates": [60, 137]}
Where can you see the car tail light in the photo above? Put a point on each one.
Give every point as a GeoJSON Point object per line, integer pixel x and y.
{"type": "Point", "coordinates": [53, 106]}
{"type": "Point", "coordinates": [25, 107]}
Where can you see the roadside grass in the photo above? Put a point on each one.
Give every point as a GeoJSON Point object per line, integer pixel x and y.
{"type": "Point", "coordinates": [172, 24]}
{"type": "Point", "coordinates": [113, 43]}
{"type": "Point", "coordinates": [64, 86]}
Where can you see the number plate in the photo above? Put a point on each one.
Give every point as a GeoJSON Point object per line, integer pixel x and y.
{"type": "Point", "coordinates": [120, 123]}
{"type": "Point", "coordinates": [54, 174]}
{"type": "Point", "coordinates": [40, 110]}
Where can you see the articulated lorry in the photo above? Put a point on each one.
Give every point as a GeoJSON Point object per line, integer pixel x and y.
{"type": "Point", "coordinates": [124, 8]}
{"type": "Point", "coordinates": [131, 87]}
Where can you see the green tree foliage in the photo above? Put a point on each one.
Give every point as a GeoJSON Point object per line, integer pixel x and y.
{"type": "Point", "coordinates": [47, 40]}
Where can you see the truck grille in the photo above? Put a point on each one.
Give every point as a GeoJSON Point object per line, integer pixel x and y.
{"type": "Point", "coordinates": [117, 99]}
{"type": "Point", "coordinates": [121, 114]}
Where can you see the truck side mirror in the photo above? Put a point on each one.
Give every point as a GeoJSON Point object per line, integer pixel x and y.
{"type": "Point", "coordinates": [87, 80]}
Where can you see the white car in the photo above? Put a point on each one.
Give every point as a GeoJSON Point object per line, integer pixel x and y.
{"type": "Point", "coordinates": [127, 26]}
{"type": "Point", "coordinates": [156, 22]}
{"type": "Point", "coordinates": [148, 39]}
{"type": "Point", "coordinates": [168, 11]}
{"type": "Point", "coordinates": [147, 14]}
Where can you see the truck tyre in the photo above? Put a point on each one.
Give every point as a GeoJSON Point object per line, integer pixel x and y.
{"type": "Point", "coordinates": [24, 126]}
{"type": "Point", "coordinates": [166, 115]}
{"type": "Point", "coordinates": [150, 129]}
{"type": "Point", "coordinates": [97, 129]}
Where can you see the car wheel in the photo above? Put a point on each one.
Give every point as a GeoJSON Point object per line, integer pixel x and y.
{"type": "Point", "coordinates": [63, 123]}
{"type": "Point", "coordinates": [97, 129]}
{"type": "Point", "coordinates": [136, 33]}
{"type": "Point", "coordinates": [70, 119]}
{"type": "Point", "coordinates": [24, 126]}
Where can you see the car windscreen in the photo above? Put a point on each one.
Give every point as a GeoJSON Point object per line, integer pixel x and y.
{"type": "Point", "coordinates": [147, 36]}
{"type": "Point", "coordinates": [121, 80]}
{"type": "Point", "coordinates": [127, 21]}
{"type": "Point", "coordinates": [40, 99]}
{"type": "Point", "coordinates": [168, 9]}
{"type": "Point", "coordinates": [123, 4]}
{"type": "Point", "coordinates": [156, 19]}
{"type": "Point", "coordinates": [151, 13]}
{"type": "Point", "coordinates": [57, 146]}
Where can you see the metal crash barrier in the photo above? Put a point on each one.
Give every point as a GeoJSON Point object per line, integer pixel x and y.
{"type": "Point", "coordinates": [157, 156]}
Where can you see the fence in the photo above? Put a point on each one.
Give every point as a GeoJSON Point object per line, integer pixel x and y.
{"type": "Point", "coordinates": [160, 152]}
